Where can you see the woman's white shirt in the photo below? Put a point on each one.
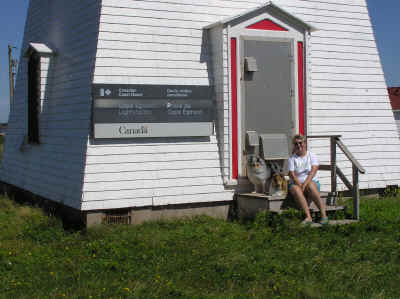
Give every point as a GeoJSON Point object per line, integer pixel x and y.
{"type": "Point", "coordinates": [302, 166]}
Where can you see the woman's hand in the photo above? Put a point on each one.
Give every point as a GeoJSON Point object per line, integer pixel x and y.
{"type": "Point", "coordinates": [304, 186]}
{"type": "Point", "coordinates": [314, 170]}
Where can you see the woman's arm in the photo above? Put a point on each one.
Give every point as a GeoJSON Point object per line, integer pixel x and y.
{"type": "Point", "coordinates": [294, 177]}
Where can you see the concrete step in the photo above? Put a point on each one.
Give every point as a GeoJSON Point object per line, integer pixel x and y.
{"type": "Point", "coordinates": [249, 204]}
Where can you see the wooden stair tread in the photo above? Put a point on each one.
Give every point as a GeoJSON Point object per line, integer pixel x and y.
{"type": "Point", "coordinates": [314, 208]}
{"type": "Point", "coordinates": [275, 197]}
{"type": "Point", "coordinates": [255, 195]}
{"type": "Point", "coordinates": [251, 203]}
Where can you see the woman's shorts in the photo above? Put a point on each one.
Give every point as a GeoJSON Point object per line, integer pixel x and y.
{"type": "Point", "coordinates": [316, 182]}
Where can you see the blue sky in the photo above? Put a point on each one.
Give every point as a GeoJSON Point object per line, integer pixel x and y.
{"type": "Point", "coordinates": [385, 20]}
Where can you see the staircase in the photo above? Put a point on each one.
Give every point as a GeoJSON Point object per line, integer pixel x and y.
{"type": "Point", "coordinates": [249, 204]}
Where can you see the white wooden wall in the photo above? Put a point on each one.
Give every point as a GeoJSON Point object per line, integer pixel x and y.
{"type": "Point", "coordinates": [153, 42]}
{"type": "Point", "coordinates": [54, 169]}
{"type": "Point", "coordinates": [346, 89]}
{"type": "Point", "coordinates": [349, 95]}
{"type": "Point", "coordinates": [162, 42]}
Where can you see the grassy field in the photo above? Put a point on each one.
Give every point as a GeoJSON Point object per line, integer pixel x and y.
{"type": "Point", "coordinates": [201, 258]}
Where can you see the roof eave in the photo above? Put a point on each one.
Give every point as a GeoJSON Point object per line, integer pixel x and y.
{"type": "Point", "coordinates": [268, 4]}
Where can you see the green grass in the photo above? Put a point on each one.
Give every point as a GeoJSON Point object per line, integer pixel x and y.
{"type": "Point", "coordinates": [201, 258]}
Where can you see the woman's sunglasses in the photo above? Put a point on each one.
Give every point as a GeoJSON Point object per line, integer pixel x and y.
{"type": "Point", "coordinates": [299, 143]}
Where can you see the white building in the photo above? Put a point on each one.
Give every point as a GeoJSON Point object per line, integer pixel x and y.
{"type": "Point", "coordinates": [92, 54]}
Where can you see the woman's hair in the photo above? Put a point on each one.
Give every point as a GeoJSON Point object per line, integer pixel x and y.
{"type": "Point", "coordinates": [297, 137]}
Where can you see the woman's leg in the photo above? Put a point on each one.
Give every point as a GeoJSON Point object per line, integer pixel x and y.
{"type": "Point", "coordinates": [312, 191]}
{"type": "Point", "coordinates": [298, 195]}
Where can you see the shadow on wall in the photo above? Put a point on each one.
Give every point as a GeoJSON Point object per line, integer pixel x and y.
{"type": "Point", "coordinates": [206, 56]}
{"type": "Point", "coordinates": [60, 133]}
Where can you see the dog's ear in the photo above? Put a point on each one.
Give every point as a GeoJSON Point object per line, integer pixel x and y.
{"type": "Point", "coordinates": [260, 160]}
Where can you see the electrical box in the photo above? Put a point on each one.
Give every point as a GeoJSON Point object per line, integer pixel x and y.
{"type": "Point", "coordinates": [274, 146]}
{"type": "Point", "coordinates": [250, 64]}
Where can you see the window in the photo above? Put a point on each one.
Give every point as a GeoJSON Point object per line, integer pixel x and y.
{"type": "Point", "coordinates": [33, 97]}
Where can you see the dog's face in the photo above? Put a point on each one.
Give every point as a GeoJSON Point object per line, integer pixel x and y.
{"type": "Point", "coordinates": [255, 162]}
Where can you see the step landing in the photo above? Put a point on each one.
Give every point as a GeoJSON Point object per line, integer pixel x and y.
{"type": "Point", "coordinates": [249, 204]}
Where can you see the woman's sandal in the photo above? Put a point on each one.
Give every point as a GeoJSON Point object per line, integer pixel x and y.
{"type": "Point", "coordinates": [324, 221]}
{"type": "Point", "coordinates": [306, 222]}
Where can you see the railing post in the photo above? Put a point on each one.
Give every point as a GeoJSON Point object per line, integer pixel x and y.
{"type": "Point", "coordinates": [356, 194]}
{"type": "Point", "coordinates": [333, 165]}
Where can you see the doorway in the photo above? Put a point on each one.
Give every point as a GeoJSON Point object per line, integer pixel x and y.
{"type": "Point", "coordinates": [268, 91]}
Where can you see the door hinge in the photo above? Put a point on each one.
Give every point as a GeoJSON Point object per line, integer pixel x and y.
{"type": "Point", "coordinates": [292, 92]}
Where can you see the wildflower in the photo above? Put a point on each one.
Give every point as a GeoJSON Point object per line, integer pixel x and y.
{"type": "Point", "coordinates": [127, 289]}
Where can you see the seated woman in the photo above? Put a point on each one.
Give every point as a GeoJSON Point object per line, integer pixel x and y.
{"type": "Point", "coordinates": [303, 167]}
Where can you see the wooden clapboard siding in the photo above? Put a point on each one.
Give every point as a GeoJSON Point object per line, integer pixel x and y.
{"type": "Point", "coordinates": [348, 94]}
{"type": "Point", "coordinates": [154, 200]}
{"type": "Point", "coordinates": [150, 184]}
{"type": "Point", "coordinates": [163, 42]}
{"type": "Point", "coordinates": [140, 171]}
{"type": "Point", "coordinates": [54, 169]}
{"type": "Point", "coordinates": [153, 190]}
{"type": "Point", "coordinates": [348, 90]}
{"type": "Point", "coordinates": [155, 43]}
{"type": "Point", "coordinates": [148, 174]}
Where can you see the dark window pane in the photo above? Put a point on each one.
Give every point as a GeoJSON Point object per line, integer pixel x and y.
{"type": "Point", "coordinates": [33, 98]}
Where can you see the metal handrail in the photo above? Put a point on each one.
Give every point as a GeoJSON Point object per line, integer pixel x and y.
{"type": "Point", "coordinates": [336, 171]}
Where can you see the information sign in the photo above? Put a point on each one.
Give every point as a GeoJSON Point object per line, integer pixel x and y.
{"type": "Point", "coordinates": [129, 111]}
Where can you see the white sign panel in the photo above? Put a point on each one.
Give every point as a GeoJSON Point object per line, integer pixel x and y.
{"type": "Point", "coordinates": [135, 130]}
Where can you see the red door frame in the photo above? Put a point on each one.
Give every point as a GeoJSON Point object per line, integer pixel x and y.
{"type": "Point", "coordinates": [235, 162]}
{"type": "Point", "coordinates": [234, 100]}
{"type": "Point", "coordinates": [300, 75]}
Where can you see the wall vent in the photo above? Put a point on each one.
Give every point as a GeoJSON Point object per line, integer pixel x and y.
{"type": "Point", "coordinates": [117, 217]}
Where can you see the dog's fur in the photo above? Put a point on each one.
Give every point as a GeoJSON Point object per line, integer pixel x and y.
{"type": "Point", "coordinates": [279, 185]}
{"type": "Point", "coordinates": [257, 172]}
